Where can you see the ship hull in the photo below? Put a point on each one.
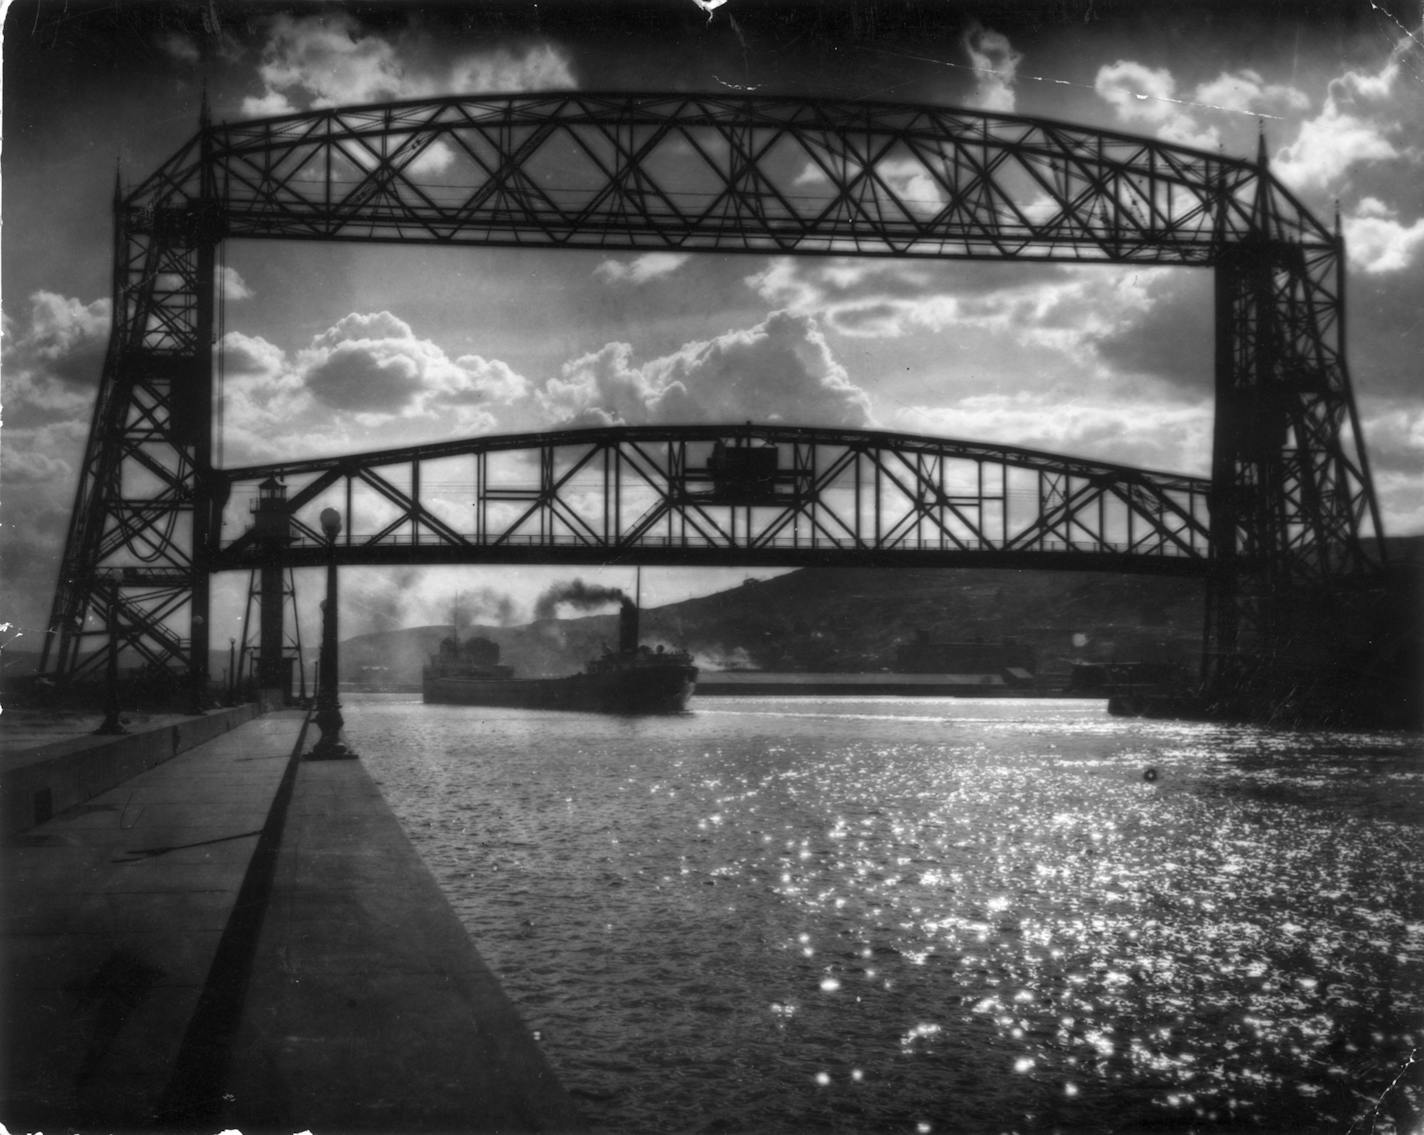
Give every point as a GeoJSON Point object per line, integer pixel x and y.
{"type": "Point", "coordinates": [645, 690]}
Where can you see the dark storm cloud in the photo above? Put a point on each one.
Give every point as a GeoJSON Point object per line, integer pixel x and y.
{"type": "Point", "coordinates": [1171, 339]}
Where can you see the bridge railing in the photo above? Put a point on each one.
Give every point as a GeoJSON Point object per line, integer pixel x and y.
{"type": "Point", "coordinates": [358, 543]}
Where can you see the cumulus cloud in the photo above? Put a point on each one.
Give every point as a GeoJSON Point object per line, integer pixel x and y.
{"type": "Point", "coordinates": [875, 298]}
{"type": "Point", "coordinates": [1072, 315]}
{"type": "Point", "coordinates": [995, 65]}
{"type": "Point", "coordinates": [249, 356]}
{"type": "Point", "coordinates": [232, 285]}
{"type": "Point", "coordinates": [1146, 98]}
{"type": "Point", "coordinates": [53, 357]}
{"type": "Point", "coordinates": [374, 363]}
{"type": "Point", "coordinates": [1393, 429]}
{"type": "Point", "coordinates": [782, 369]}
{"type": "Point", "coordinates": [540, 68]}
{"type": "Point", "coordinates": [1359, 123]}
{"type": "Point", "coordinates": [1247, 92]}
{"type": "Point", "coordinates": [1166, 435]}
{"type": "Point", "coordinates": [330, 59]}
{"type": "Point", "coordinates": [640, 269]}
{"type": "Point", "coordinates": [65, 339]}
{"type": "Point", "coordinates": [269, 104]}
{"type": "Point", "coordinates": [1394, 433]}
{"type": "Point", "coordinates": [1329, 145]}
{"type": "Point", "coordinates": [473, 381]}
{"type": "Point", "coordinates": [1376, 241]}
{"type": "Point", "coordinates": [368, 372]}
{"type": "Point", "coordinates": [36, 398]}
{"type": "Point", "coordinates": [365, 375]}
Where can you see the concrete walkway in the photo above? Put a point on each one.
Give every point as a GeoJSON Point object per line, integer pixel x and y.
{"type": "Point", "coordinates": [236, 938]}
{"type": "Point", "coordinates": [113, 914]}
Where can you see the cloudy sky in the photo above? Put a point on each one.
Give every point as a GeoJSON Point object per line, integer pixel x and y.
{"type": "Point", "coordinates": [345, 348]}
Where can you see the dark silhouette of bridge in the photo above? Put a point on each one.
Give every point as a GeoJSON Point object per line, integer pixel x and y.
{"type": "Point", "coordinates": [727, 495]}
{"type": "Point", "coordinates": [1286, 531]}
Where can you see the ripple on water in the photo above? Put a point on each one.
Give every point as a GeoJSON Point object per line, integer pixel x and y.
{"type": "Point", "coordinates": [906, 915]}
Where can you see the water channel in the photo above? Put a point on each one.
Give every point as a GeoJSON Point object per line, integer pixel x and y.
{"type": "Point", "coordinates": [932, 915]}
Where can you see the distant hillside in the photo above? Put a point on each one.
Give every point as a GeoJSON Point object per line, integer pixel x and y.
{"type": "Point", "coordinates": [851, 619]}
{"type": "Point", "coordinates": [856, 618]}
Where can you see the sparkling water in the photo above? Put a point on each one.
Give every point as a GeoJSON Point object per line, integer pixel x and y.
{"type": "Point", "coordinates": [932, 915]}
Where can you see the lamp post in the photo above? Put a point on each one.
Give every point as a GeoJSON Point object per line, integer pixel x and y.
{"type": "Point", "coordinates": [328, 708]}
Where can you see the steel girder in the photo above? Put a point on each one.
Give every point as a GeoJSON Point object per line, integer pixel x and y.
{"type": "Point", "coordinates": [1292, 496]}
{"type": "Point", "coordinates": [724, 173]}
{"type": "Point", "coordinates": [654, 494]}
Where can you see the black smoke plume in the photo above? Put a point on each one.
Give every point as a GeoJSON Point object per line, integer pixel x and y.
{"type": "Point", "coordinates": [577, 594]}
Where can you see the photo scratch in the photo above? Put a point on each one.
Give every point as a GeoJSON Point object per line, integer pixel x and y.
{"type": "Point", "coordinates": [1413, 35]}
{"type": "Point", "coordinates": [1008, 76]}
{"type": "Point", "coordinates": [709, 6]}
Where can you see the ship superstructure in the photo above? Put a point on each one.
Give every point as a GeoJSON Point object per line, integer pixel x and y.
{"type": "Point", "coordinates": [633, 679]}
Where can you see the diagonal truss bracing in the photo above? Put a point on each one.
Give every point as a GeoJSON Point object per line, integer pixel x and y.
{"type": "Point", "coordinates": [730, 173]}
{"type": "Point", "coordinates": [1291, 503]}
{"type": "Point", "coordinates": [658, 494]}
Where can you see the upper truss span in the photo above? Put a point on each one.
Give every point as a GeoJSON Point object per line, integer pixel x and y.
{"type": "Point", "coordinates": [732, 173]}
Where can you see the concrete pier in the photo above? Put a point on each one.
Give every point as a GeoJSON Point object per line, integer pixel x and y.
{"type": "Point", "coordinates": [238, 938]}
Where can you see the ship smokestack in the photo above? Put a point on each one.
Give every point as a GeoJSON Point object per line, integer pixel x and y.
{"type": "Point", "coordinates": [628, 626]}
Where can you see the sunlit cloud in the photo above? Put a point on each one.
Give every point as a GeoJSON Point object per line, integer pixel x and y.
{"type": "Point", "coordinates": [1360, 123]}
{"type": "Point", "coordinates": [330, 59]}
{"type": "Point", "coordinates": [66, 334]}
{"type": "Point", "coordinates": [640, 269]}
{"type": "Point", "coordinates": [232, 285]}
{"type": "Point", "coordinates": [1092, 322]}
{"type": "Point", "coordinates": [782, 369]}
{"type": "Point", "coordinates": [540, 67]}
{"type": "Point", "coordinates": [374, 363]}
{"type": "Point", "coordinates": [1394, 431]}
{"type": "Point", "coordinates": [1171, 436]}
{"type": "Point", "coordinates": [995, 65]}
{"type": "Point", "coordinates": [1376, 241]}
{"type": "Point", "coordinates": [1146, 97]}
{"type": "Point", "coordinates": [366, 382]}
{"type": "Point", "coordinates": [1247, 92]}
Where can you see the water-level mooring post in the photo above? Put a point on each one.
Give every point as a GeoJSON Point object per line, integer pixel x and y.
{"type": "Point", "coordinates": [328, 708]}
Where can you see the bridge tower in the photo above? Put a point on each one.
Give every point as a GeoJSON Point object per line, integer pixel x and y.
{"type": "Point", "coordinates": [146, 502]}
{"type": "Point", "coordinates": [1292, 573]}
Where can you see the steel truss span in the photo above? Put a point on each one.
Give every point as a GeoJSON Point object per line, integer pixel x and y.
{"type": "Point", "coordinates": [770, 495]}
{"type": "Point", "coordinates": [1292, 505]}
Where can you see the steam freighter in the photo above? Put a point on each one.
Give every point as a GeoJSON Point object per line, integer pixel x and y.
{"type": "Point", "coordinates": [632, 679]}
